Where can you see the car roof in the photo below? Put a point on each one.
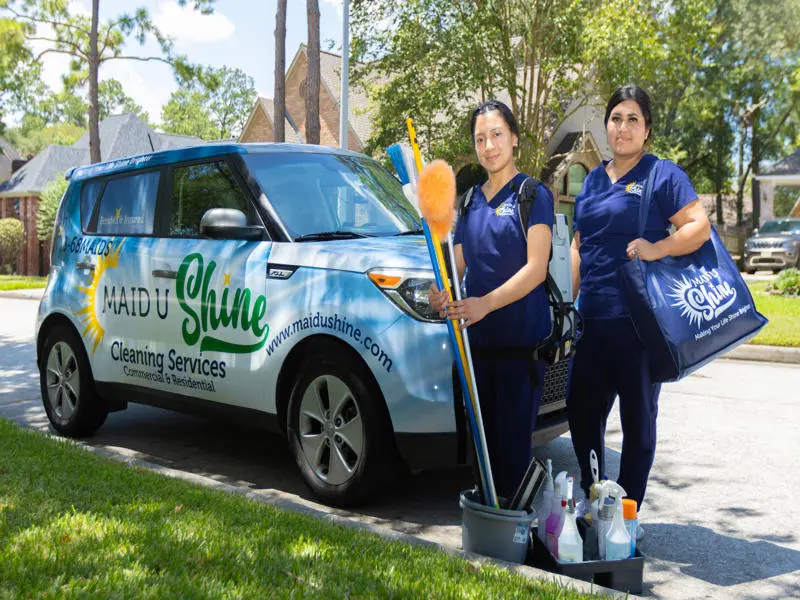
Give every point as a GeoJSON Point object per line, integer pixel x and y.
{"type": "Point", "coordinates": [176, 155]}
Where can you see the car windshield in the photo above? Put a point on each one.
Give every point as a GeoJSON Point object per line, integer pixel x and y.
{"type": "Point", "coordinates": [780, 227]}
{"type": "Point", "coordinates": [333, 194]}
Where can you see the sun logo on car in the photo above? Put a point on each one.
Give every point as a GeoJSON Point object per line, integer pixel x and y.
{"type": "Point", "coordinates": [88, 314]}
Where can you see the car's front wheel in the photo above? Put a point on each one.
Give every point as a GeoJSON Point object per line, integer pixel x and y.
{"type": "Point", "coordinates": [67, 386]}
{"type": "Point", "coordinates": [338, 428]}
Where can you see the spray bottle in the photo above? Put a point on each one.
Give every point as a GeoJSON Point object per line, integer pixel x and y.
{"type": "Point", "coordinates": [618, 542]}
{"type": "Point", "coordinates": [556, 519]}
{"type": "Point", "coordinates": [609, 492]}
{"type": "Point", "coordinates": [570, 543]}
{"type": "Point", "coordinates": [544, 506]}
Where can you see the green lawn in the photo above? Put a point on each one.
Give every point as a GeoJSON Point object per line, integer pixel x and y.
{"type": "Point", "coordinates": [75, 524]}
{"type": "Point", "coordinates": [21, 282]}
{"type": "Point", "coordinates": [783, 313]}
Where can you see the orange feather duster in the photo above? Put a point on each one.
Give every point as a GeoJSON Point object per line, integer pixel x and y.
{"type": "Point", "coordinates": [436, 190]}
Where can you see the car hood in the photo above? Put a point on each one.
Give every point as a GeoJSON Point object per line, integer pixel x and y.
{"type": "Point", "coordinates": [358, 255]}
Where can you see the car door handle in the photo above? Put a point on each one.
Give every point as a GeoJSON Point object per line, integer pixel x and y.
{"type": "Point", "coordinates": [165, 274]}
{"type": "Point", "coordinates": [84, 266]}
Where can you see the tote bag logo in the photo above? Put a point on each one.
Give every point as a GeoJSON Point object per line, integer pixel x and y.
{"type": "Point", "coordinates": [702, 298]}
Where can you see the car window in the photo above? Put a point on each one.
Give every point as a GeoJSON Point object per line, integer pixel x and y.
{"type": "Point", "coordinates": [780, 227]}
{"type": "Point", "coordinates": [128, 205]}
{"type": "Point", "coordinates": [199, 188]}
{"type": "Point", "coordinates": [315, 193]}
{"type": "Point", "coordinates": [89, 194]}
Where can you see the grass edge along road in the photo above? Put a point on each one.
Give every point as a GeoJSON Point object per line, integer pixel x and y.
{"type": "Point", "coordinates": [783, 313]}
{"type": "Point", "coordinates": [21, 282]}
{"type": "Point", "coordinates": [73, 522]}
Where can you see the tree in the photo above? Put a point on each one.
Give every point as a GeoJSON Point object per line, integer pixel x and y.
{"type": "Point", "coordinates": [48, 206]}
{"type": "Point", "coordinates": [11, 235]}
{"type": "Point", "coordinates": [80, 38]}
{"type": "Point", "coordinates": [112, 100]}
{"type": "Point", "coordinates": [186, 114]}
{"type": "Point", "coordinates": [215, 107]}
{"type": "Point", "coordinates": [230, 95]}
{"type": "Point", "coordinates": [312, 74]}
{"type": "Point", "coordinates": [18, 72]}
{"type": "Point", "coordinates": [34, 134]}
{"type": "Point", "coordinates": [279, 106]}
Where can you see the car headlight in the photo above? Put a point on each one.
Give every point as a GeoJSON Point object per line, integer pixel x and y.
{"type": "Point", "coordinates": [408, 290]}
{"type": "Point", "coordinates": [791, 245]}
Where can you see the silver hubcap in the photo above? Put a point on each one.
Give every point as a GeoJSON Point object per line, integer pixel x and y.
{"type": "Point", "coordinates": [63, 381]}
{"type": "Point", "coordinates": [331, 431]}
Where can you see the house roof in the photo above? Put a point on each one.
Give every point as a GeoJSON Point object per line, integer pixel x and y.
{"type": "Point", "coordinates": [291, 135]}
{"type": "Point", "coordinates": [564, 148]}
{"type": "Point", "coordinates": [120, 136]}
{"type": "Point", "coordinates": [43, 168]}
{"type": "Point", "coordinates": [9, 150]}
{"type": "Point", "coordinates": [330, 71]}
{"type": "Point", "coordinates": [786, 169]}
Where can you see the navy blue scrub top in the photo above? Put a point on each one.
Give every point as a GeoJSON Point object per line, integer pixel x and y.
{"type": "Point", "coordinates": [495, 248]}
{"type": "Point", "coordinates": [607, 216]}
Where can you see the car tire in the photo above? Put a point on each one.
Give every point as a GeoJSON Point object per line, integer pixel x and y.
{"type": "Point", "coordinates": [67, 385]}
{"type": "Point", "coordinates": [338, 428]}
{"type": "Point", "coordinates": [775, 271]}
{"type": "Point", "coordinates": [750, 271]}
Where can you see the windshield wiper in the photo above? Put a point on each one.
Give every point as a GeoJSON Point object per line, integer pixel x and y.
{"type": "Point", "coordinates": [411, 232]}
{"type": "Point", "coordinates": [330, 235]}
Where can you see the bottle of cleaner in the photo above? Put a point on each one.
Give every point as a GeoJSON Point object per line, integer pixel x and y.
{"type": "Point", "coordinates": [609, 492]}
{"type": "Point", "coordinates": [618, 542]}
{"type": "Point", "coordinates": [570, 543]}
{"type": "Point", "coordinates": [556, 519]}
{"type": "Point", "coordinates": [631, 521]}
{"type": "Point", "coordinates": [544, 505]}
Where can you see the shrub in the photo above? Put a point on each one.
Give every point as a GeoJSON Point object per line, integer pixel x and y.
{"type": "Point", "coordinates": [786, 283]}
{"type": "Point", "coordinates": [11, 236]}
{"type": "Point", "coordinates": [48, 207]}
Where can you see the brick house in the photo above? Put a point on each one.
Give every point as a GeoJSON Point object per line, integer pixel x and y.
{"type": "Point", "coordinates": [120, 136]}
{"type": "Point", "coordinates": [575, 149]}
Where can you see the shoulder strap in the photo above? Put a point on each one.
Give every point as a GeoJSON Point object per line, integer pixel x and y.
{"type": "Point", "coordinates": [526, 197]}
{"type": "Point", "coordinates": [647, 196]}
{"type": "Point", "coordinates": [465, 200]}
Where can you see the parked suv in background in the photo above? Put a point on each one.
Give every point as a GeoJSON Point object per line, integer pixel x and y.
{"type": "Point", "coordinates": [281, 285]}
{"type": "Point", "coordinates": [775, 246]}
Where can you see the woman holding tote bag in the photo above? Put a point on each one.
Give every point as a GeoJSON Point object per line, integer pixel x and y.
{"type": "Point", "coordinates": [610, 359]}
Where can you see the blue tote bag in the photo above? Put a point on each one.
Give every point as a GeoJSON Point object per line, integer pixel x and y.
{"type": "Point", "coordinates": [690, 309]}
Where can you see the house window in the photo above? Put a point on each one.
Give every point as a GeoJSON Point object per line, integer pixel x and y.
{"type": "Point", "coordinates": [573, 180]}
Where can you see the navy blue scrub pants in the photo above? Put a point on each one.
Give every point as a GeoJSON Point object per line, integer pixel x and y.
{"type": "Point", "coordinates": [609, 361]}
{"type": "Point", "coordinates": [509, 405]}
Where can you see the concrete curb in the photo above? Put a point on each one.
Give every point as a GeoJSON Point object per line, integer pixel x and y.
{"type": "Point", "coordinates": [778, 354]}
{"type": "Point", "coordinates": [34, 294]}
{"type": "Point", "coordinates": [341, 517]}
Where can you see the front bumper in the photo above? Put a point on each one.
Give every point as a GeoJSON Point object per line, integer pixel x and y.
{"type": "Point", "coordinates": [776, 258]}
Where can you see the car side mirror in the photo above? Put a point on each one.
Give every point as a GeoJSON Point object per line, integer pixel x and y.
{"type": "Point", "coordinates": [755, 231]}
{"type": "Point", "coordinates": [229, 223]}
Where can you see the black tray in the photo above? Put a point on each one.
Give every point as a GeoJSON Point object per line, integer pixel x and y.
{"type": "Point", "coordinates": [622, 575]}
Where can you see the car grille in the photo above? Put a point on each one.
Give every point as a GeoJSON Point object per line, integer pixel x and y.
{"type": "Point", "coordinates": [766, 244]}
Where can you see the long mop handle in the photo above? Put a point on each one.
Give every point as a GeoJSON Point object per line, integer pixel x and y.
{"type": "Point", "coordinates": [461, 349]}
{"type": "Point", "coordinates": [478, 416]}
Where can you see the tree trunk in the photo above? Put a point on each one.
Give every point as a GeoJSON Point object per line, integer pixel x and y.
{"type": "Point", "coordinates": [718, 179]}
{"type": "Point", "coordinates": [740, 191]}
{"type": "Point", "coordinates": [312, 75]}
{"type": "Point", "coordinates": [94, 65]}
{"type": "Point", "coordinates": [278, 118]}
{"type": "Point", "coordinates": [755, 153]}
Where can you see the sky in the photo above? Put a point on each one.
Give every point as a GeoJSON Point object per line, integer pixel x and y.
{"type": "Point", "coordinates": [239, 34]}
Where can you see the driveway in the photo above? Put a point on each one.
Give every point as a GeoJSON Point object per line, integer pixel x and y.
{"type": "Point", "coordinates": [720, 516]}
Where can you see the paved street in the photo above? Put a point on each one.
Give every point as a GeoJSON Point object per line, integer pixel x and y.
{"type": "Point", "coordinates": [721, 516]}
